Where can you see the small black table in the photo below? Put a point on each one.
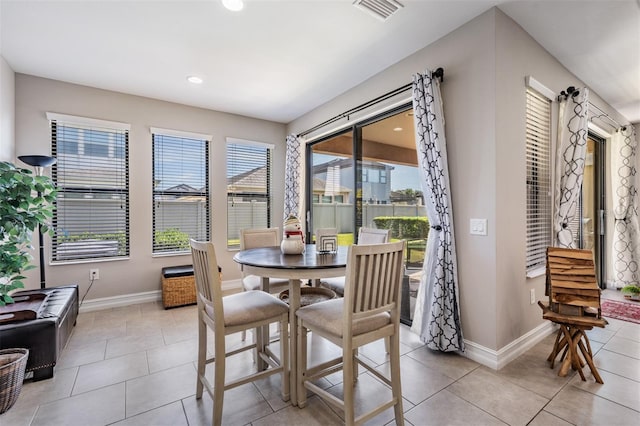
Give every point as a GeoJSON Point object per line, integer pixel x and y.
{"type": "Point", "coordinates": [269, 262]}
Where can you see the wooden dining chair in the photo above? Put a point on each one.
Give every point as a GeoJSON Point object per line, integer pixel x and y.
{"type": "Point", "coordinates": [233, 314]}
{"type": "Point", "coordinates": [365, 236]}
{"type": "Point", "coordinates": [256, 238]}
{"type": "Point", "coordinates": [369, 311]}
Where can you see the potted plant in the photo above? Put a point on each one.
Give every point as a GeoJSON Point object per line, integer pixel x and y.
{"type": "Point", "coordinates": [631, 291]}
{"type": "Point", "coordinates": [26, 202]}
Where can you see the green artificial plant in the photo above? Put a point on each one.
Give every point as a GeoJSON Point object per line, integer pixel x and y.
{"type": "Point", "coordinates": [21, 210]}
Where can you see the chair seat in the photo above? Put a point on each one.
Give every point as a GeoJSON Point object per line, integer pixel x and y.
{"type": "Point", "coordinates": [250, 306]}
{"type": "Point", "coordinates": [254, 282]}
{"type": "Point", "coordinates": [328, 316]}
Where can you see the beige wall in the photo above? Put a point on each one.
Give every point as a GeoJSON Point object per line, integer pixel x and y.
{"type": "Point", "coordinates": [7, 112]}
{"type": "Point", "coordinates": [141, 272]}
{"type": "Point", "coordinates": [485, 63]}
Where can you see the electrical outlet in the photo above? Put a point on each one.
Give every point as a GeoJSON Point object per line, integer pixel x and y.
{"type": "Point", "coordinates": [94, 274]}
{"type": "Point", "coordinates": [532, 296]}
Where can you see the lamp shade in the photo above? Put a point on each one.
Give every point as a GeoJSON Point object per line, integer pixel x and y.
{"type": "Point", "coordinates": [37, 160]}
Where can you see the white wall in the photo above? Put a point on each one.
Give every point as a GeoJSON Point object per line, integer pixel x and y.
{"type": "Point", "coordinates": [141, 272]}
{"type": "Point", "coordinates": [7, 112]}
{"type": "Point", "coordinates": [485, 63]}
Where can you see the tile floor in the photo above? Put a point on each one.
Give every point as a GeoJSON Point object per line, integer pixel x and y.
{"type": "Point", "coordinates": [135, 366]}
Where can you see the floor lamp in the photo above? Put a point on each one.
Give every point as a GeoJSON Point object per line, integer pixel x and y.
{"type": "Point", "coordinates": [39, 162]}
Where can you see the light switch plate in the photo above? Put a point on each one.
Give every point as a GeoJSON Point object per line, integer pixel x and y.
{"type": "Point", "coordinates": [478, 226]}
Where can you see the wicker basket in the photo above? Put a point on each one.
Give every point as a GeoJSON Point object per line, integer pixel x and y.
{"type": "Point", "coordinates": [178, 291]}
{"type": "Point", "coordinates": [12, 365]}
{"type": "Point", "coordinates": [310, 295]}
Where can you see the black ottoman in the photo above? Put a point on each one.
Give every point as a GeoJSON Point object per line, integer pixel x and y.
{"type": "Point", "coordinates": [48, 334]}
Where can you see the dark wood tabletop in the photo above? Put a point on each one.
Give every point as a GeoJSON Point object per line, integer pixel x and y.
{"type": "Point", "coordinates": [272, 257]}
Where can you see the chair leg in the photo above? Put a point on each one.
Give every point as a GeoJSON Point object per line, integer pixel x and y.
{"type": "Point", "coordinates": [348, 382]}
{"type": "Point", "coordinates": [218, 380]}
{"type": "Point", "coordinates": [396, 390]}
{"type": "Point", "coordinates": [202, 356]}
{"type": "Point", "coordinates": [302, 365]}
{"type": "Point", "coordinates": [284, 356]}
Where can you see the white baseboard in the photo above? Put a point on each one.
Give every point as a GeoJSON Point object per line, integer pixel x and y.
{"type": "Point", "coordinates": [498, 359]}
{"type": "Point", "coordinates": [89, 305]}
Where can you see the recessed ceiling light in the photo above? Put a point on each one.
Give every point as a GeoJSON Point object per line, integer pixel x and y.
{"type": "Point", "coordinates": [194, 79]}
{"type": "Point", "coordinates": [397, 129]}
{"type": "Point", "coordinates": [233, 5]}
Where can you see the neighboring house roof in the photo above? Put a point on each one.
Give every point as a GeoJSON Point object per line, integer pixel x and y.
{"type": "Point", "coordinates": [254, 180]}
{"type": "Point", "coordinates": [320, 185]}
{"type": "Point", "coordinates": [344, 163]}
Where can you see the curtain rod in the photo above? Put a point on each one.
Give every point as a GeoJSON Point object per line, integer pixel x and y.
{"type": "Point", "coordinates": [438, 73]}
{"type": "Point", "coordinates": [573, 92]}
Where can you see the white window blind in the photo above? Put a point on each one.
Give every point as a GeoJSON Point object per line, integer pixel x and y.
{"type": "Point", "coordinates": [180, 192]}
{"type": "Point", "coordinates": [91, 218]}
{"type": "Point", "coordinates": [248, 188]}
{"type": "Point", "coordinates": [538, 161]}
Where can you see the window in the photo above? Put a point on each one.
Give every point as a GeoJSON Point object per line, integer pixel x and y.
{"type": "Point", "coordinates": [248, 187]}
{"type": "Point", "coordinates": [180, 190]}
{"type": "Point", "coordinates": [538, 162]}
{"type": "Point", "coordinates": [91, 218]}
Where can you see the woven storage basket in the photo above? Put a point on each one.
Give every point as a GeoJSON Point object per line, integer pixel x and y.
{"type": "Point", "coordinates": [178, 291]}
{"type": "Point", "coordinates": [12, 365]}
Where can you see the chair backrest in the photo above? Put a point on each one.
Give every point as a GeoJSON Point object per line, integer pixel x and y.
{"type": "Point", "coordinates": [208, 286]}
{"type": "Point", "coordinates": [571, 283]}
{"type": "Point", "coordinates": [373, 236]}
{"type": "Point", "coordinates": [373, 281]}
{"type": "Point", "coordinates": [259, 237]}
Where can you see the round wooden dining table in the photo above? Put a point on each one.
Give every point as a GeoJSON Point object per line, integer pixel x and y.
{"type": "Point", "coordinates": [270, 262]}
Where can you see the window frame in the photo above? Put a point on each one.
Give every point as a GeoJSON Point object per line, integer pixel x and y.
{"type": "Point", "coordinates": [67, 192]}
{"type": "Point", "coordinates": [233, 195]}
{"type": "Point", "coordinates": [538, 160]}
{"type": "Point", "coordinates": [205, 139]}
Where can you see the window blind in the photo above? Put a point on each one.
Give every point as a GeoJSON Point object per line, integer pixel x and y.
{"type": "Point", "coordinates": [538, 163]}
{"type": "Point", "coordinates": [91, 217]}
{"type": "Point", "coordinates": [248, 189]}
{"type": "Point", "coordinates": [180, 192]}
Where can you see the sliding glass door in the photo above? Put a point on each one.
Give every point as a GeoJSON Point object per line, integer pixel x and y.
{"type": "Point", "coordinates": [367, 176]}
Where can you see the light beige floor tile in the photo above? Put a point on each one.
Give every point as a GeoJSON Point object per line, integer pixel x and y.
{"type": "Point", "coordinates": [141, 327]}
{"type": "Point", "coordinates": [123, 345]}
{"type": "Point", "coordinates": [533, 372]}
{"type": "Point", "coordinates": [167, 415]}
{"type": "Point", "coordinates": [316, 413]}
{"type": "Point", "coordinates": [55, 388]}
{"type": "Point", "coordinates": [242, 405]}
{"type": "Point", "coordinates": [271, 390]}
{"type": "Point", "coordinates": [418, 382]}
{"type": "Point", "coordinates": [368, 394]}
{"type": "Point", "coordinates": [409, 338]}
{"type": "Point", "coordinates": [618, 364]}
{"type": "Point", "coordinates": [125, 313]}
{"type": "Point", "coordinates": [630, 331]}
{"type": "Point", "coordinates": [19, 414]}
{"type": "Point", "coordinates": [602, 335]}
{"type": "Point", "coordinates": [99, 407]}
{"type": "Point", "coordinates": [180, 331]}
{"type": "Point", "coordinates": [158, 389]}
{"type": "Point", "coordinates": [448, 363]}
{"type": "Point", "coordinates": [615, 388]}
{"type": "Point", "coordinates": [110, 371]}
{"type": "Point", "coordinates": [547, 419]}
{"type": "Point", "coordinates": [583, 408]}
{"type": "Point", "coordinates": [97, 333]}
{"type": "Point", "coordinates": [446, 408]}
{"type": "Point", "coordinates": [168, 356]}
{"type": "Point", "coordinates": [79, 355]}
{"type": "Point", "coordinates": [499, 397]}
{"type": "Point", "coordinates": [624, 346]}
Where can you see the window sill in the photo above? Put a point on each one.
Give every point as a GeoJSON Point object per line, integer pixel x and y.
{"type": "Point", "coordinates": [534, 273]}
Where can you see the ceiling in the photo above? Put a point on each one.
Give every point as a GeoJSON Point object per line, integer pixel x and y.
{"type": "Point", "coordinates": [277, 60]}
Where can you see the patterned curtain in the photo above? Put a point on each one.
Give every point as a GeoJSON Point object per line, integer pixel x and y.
{"type": "Point", "coordinates": [570, 158]}
{"type": "Point", "coordinates": [626, 247]}
{"type": "Point", "coordinates": [437, 312]}
{"type": "Point", "coordinates": [293, 178]}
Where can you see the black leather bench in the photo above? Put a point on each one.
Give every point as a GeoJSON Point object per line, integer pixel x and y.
{"type": "Point", "coordinates": [47, 335]}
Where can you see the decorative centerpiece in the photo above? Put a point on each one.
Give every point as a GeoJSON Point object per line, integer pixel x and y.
{"type": "Point", "coordinates": [292, 240]}
{"type": "Point", "coordinates": [326, 240]}
{"type": "Point", "coordinates": [631, 292]}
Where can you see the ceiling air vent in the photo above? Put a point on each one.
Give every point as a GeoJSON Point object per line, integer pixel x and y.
{"type": "Point", "coordinates": [381, 9]}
